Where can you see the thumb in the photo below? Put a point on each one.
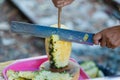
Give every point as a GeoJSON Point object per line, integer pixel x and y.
{"type": "Point", "coordinates": [97, 37]}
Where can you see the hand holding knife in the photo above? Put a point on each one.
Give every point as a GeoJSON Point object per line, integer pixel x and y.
{"type": "Point", "coordinates": [46, 31]}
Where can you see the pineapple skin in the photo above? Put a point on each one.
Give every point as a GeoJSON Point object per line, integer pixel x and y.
{"type": "Point", "coordinates": [61, 50]}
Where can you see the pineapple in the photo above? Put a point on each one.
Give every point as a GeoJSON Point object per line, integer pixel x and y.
{"type": "Point", "coordinates": [48, 75]}
{"type": "Point", "coordinates": [58, 51]}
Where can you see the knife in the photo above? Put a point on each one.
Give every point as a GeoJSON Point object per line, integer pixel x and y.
{"type": "Point", "coordinates": [46, 31]}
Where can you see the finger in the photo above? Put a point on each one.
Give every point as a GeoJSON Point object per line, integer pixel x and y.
{"type": "Point", "coordinates": [108, 44]}
{"type": "Point", "coordinates": [60, 5]}
{"type": "Point", "coordinates": [119, 43]}
{"type": "Point", "coordinates": [60, 2]}
{"type": "Point", "coordinates": [97, 37]}
{"type": "Point", "coordinates": [67, 3]}
{"type": "Point", "coordinates": [103, 42]}
{"type": "Point", "coordinates": [115, 44]}
{"type": "Point", "coordinates": [113, 41]}
{"type": "Point", "coordinates": [63, 3]}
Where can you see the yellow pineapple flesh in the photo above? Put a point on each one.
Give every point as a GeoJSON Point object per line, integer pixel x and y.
{"type": "Point", "coordinates": [58, 51]}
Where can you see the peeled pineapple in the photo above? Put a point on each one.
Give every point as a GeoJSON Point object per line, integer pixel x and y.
{"type": "Point", "coordinates": [58, 51]}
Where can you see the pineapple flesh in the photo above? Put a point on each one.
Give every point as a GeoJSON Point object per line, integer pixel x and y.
{"type": "Point", "coordinates": [58, 51]}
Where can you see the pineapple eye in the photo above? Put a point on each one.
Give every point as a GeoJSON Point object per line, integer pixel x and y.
{"type": "Point", "coordinates": [54, 42]}
{"type": "Point", "coordinates": [55, 49]}
{"type": "Point", "coordinates": [50, 46]}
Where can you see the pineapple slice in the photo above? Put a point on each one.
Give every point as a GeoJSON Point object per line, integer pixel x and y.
{"type": "Point", "coordinates": [58, 51]}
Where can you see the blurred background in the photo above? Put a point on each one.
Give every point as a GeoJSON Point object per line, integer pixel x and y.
{"type": "Point", "coordinates": [81, 15]}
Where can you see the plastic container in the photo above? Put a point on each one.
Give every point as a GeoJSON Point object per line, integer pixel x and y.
{"type": "Point", "coordinates": [32, 64]}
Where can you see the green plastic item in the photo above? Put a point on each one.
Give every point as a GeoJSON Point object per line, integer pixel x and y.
{"type": "Point", "coordinates": [91, 69]}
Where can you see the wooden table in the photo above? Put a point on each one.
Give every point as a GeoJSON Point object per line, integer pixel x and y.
{"type": "Point", "coordinates": [2, 66]}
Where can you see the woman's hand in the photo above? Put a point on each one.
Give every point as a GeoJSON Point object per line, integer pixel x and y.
{"type": "Point", "coordinates": [61, 3]}
{"type": "Point", "coordinates": [109, 37]}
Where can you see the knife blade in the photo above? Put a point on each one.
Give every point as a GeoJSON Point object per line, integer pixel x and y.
{"type": "Point", "coordinates": [46, 31]}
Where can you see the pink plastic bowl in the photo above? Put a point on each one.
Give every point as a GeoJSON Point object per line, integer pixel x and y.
{"type": "Point", "coordinates": [32, 64]}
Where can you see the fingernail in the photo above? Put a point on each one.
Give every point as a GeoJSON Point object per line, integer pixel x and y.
{"type": "Point", "coordinates": [59, 6]}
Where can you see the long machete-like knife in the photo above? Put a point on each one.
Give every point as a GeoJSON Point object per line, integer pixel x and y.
{"type": "Point", "coordinates": [46, 31]}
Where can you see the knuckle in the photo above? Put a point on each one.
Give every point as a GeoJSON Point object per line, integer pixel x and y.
{"type": "Point", "coordinates": [109, 46]}
{"type": "Point", "coordinates": [108, 36]}
{"type": "Point", "coordinates": [115, 44]}
{"type": "Point", "coordinates": [102, 45]}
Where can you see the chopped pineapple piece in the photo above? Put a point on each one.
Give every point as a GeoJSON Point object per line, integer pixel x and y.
{"type": "Point", "coordinates": [27, 74]}
{"type": "Point", "coordinates": [12, 75]}
{"type": "Point", "coordinates": [48, 75]}
{"type": "Point", "coordinates": [41, 75]}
